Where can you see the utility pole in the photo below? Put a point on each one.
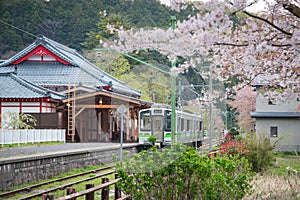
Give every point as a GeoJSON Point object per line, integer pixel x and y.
{"type": "Point", "coordinates": [173, 79]}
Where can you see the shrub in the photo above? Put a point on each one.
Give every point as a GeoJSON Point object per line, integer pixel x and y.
{"type": "Point", "coordinates": [234, 147]}
{"type": "Point", "coordinates": [182, 173]}
{"type": "Point", "coordinates": [261, 153]}
{"type": "Point", "coordinates": [152, 139]}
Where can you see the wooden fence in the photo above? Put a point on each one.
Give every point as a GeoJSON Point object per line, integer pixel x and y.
{"type": "Point", "coordinates": [89, 192]}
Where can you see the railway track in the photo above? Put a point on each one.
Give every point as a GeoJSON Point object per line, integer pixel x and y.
{"type": "Point", "coordinates": [206, 145]}
{"type": "Point", "coordinates": [31, 189]}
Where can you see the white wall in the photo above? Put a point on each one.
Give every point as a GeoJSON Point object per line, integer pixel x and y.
{"type": "Point", "coordinates": [288, 132]}
{"type": "Point", "coordinates": [262, 105]}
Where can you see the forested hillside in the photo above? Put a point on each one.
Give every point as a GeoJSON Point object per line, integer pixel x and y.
{"type": "Point", "coordinates": [69, 21]}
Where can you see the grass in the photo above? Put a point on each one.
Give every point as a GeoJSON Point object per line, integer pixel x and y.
{"type": "Point", "coordinates": [285, 165]}
{"type": "Point", "coordinates": [281, 182]}
{"type": "Point", "coordinates": [81, 186]}
{"type": "Point", "coordinates": [29, 144]}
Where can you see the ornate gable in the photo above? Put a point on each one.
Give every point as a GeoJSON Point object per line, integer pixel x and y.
{"type": "Point", "coordinates": [40, 54]}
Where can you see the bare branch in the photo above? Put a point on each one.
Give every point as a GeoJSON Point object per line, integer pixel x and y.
{"type": "Point", "coordinates": [230, 44]}
{"type": "Point", "coordinates": [246, 44]}
{"type": "Point", "coordinates": [268, 22]}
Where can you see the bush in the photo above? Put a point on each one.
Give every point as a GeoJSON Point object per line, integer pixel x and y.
{"type": "Point", "coordinates": [152, 139]}
{"type": "Point", "coordinates": [234, 147]}
{"type": "Point", "coordinates": [181, 173]}
{"type": "Point", "coordinates": [261, 153]}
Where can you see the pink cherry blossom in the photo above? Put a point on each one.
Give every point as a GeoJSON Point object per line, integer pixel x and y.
{"type": "Point", "coordinates": [264, 44]}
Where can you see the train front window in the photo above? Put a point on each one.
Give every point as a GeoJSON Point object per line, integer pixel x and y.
{"type": "Point", "coordinates": [168, 120]}
{"type": "Point", "coordinates": [145, 120]}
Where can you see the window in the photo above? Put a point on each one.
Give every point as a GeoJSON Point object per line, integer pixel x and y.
{"type": "Point", "coordinates": [274, 131]}
{"type": "Point", "coordinates": [187, 125]}
{"type": "Point", "coordinates": [270, 102]}
{"type": "Point", "coordinates": [182, 124]}
{"type": "Point", "coordinates": [200, 126]}
{"type": "Point", "coordinates": [178, 123]}
{"type": "Point", "coordinates": [145, 120]}
{"type": "Point", "coordinates": [168, 115]}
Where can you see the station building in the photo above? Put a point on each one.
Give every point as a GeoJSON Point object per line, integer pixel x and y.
{"type": "Point", "coordinates": [63, 90]}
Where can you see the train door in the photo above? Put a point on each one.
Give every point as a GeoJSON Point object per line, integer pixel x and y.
{"type": "Point", "coordinates": [167, 128]}
{"type": "Point", "coordinates": [157, 127]}
{"type": "Point", "coordinates": [144, 126]}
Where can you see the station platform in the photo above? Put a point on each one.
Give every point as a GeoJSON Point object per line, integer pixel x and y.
{"type": "Point", "coordinates": [44, 149]}
{"type": "Point", "coordinates": [20, 165]}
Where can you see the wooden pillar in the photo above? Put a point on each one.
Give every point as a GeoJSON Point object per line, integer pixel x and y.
{"type": "Point", "coordinates": [71, 191]}
{"type": "Point", "coordinates": [47, 197]}
{"type": "Point", "coordinates": [105, 191]}
{"type": "Point", "coordinates": [89, 196]}
{"type": "Point", "coordinates": [117, 189]}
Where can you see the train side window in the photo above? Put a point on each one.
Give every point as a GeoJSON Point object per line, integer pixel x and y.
{"type": "Point", "coordinates": [182, 124]}
{"type": "Point", "coordinates": [200, 125]}
{"type": "Point", "coordinates": [177, 123]}
{"type": "Point", "coordinates": [197, 126]}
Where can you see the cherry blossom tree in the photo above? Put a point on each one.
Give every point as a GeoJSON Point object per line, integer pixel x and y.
{"type": "Point", "coordinates": [244, 102]}
{"type": "Point", "coordinates": [251, 45]}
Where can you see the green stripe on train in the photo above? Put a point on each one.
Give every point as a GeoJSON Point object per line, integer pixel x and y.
{"type": "Point", "coordinates": [144, 135]}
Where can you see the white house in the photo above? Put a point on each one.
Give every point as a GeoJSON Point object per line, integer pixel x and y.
{"type": "Point", "coordinates": [280, 121]}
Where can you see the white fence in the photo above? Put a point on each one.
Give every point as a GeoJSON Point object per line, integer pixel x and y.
{"type": "Point", "coordinates": [32, 136]}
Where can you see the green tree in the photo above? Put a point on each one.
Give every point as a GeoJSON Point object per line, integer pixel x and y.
{"type": "Point", "coordinates": [103, 33]}
{"type": "Point", "coordinates": [156, 86]}
{"type": "Point", "coordinates": [113, 63]}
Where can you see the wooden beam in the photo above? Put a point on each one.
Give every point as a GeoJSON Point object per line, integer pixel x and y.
{"type": "Point", "coordinates": [98, 106]}
{"type": "Point", "coordinates": [123, 98]}
{"type": "Point", "coordinates": [82, 109]}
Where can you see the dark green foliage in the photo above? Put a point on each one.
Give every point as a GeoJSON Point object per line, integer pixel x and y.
{"type": "Point", "coordinates": [182, 173]}
{"type": "Point", "coordinates": [68, 22]}
{"type": "Point", "coordinates": [64, 21]}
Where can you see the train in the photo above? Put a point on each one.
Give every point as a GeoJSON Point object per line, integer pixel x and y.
{"type": "Point", "coordinates": [156, 121]}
